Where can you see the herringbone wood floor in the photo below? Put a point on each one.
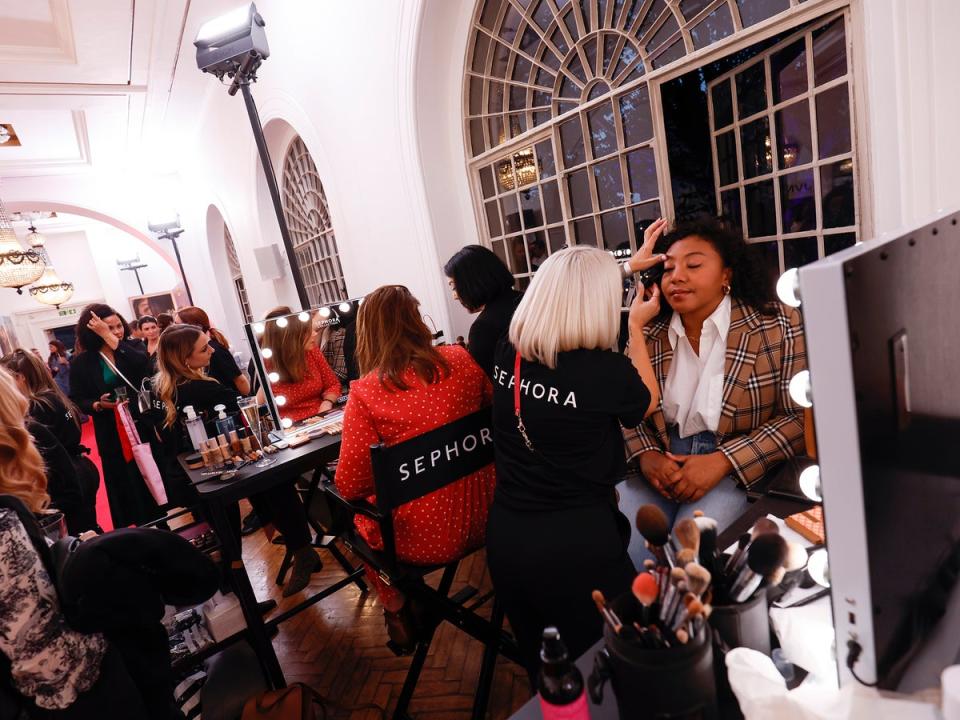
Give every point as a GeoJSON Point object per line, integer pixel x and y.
{"type": "Point", "coordinates": [338, 647]}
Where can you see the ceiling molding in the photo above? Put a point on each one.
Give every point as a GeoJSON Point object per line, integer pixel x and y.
{"type": "Point", "coordinates": [57, 166]}
{"type": "Point", "coordinates": [65, 51]}
{"type": "Point", "coordinates": [13, 88]}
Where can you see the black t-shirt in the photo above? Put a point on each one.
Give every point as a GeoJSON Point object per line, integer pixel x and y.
{"type": "Point", "coordinates": [56, 417]}
{"type": "Point", "coordinates": [223, 368]}
{"type": "Point", "coordinates": [490, 328]}
{"type": "Point", "coordinates": [572, 415]}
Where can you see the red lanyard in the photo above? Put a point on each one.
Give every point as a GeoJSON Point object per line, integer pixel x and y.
{"type": "Point", "coordinates": [516, 403]}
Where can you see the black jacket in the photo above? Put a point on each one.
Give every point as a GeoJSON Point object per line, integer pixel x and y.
{"type": "Point", "coordinates": [86, 373]}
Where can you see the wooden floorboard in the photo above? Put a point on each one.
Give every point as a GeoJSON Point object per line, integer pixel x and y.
{"type": "Point", "coordinates": [338, 647]}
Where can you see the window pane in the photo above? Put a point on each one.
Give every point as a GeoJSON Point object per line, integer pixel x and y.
{"type": "Point", "coordinates": [545, 159]}
{"type": "Point", "coordinates": [480, 49]}
{"type": "Point", "coordinates": [578, 187]}
{"type": "Point", "coordinates": [590, 50]}
{"type": "Point", "coordinates": [551, 202]}
{"type": "Point", "coordinates": [652, 15]}
{"type": "Point", "coordinates": [530, 208]}
{"type": "Point", "coordinates": [609, 183]}
{"type": "Point", "coordinates": [518, 255]}
{"type": "Point", "coordinates": [603, 136]}
{"type": "Point", "coordinates": [789, 71]}
{"type": "Point", "coordinates": [674, 52]}
{"type": "Point", "coordinates": [836, 188]}
{"type": "Point", "coordinates": [664, 33]}
{"type": "Point", "coordinates": [537, 249]}
{"type": "Point", "coordinates": [506, 180]}
{"type": "Point", "coordinates": [751, 90]}
{"type": "Point", "coordinates": [643, 216]}
{"type": "Point", "coordinates": [722, 105]}
{"type": "Point", "coordinates": [521, 69]}
{"type": "Point", "coordinates": [627, 56]}
{"type": "Point", "coordinates": [691, 8]}
{"type": "Point", "coordinates": [797, 202]}
{"type": "Point", "coordinates": [727, 158]}
{"type": "Point", "coordinates": [730, 208]}
{"type": "Point", "coordinates": [523, 283]}
{"type": "Point", "coordinates": [793, 134]}
{"type": "Point", "coordinates": [495, 127]}
{"type": "Point", "coordinates": [642, 169]}
{"type": "Point", "coordinates": [525, 167]}
{"type": "Point", "coordinates": [476, 96]}
{"type": "Point", "coordinates": [571, 139]}
{"type": "Point", "coordinates": [829, 52]}
{"type": "Point", "coordinates": [755, 145]}
{"type": "Point", "coordinates": [833, 121]}
{"type": "Point", "coordinates": [836, 243]}
{"type": "Point", "coordinates": [495, 99]}
{"type": "Point", "coordinates": [584, 233]}
{"type": "Point", "coordinates": [715, 26]}
{"type": "Point", "coordinates": [493, 218]}
{"type": "Point", "coordinates": [511, 213]}
{"type": "Point", "coordinates": [476, 137]}
{"type": "Point", "coordinates": [518, 125]}
{"type": "Point", "coordinates": [798, 252]}
{"type": "Point", "coordinates": [635, 115]}
{"type": "Point", "coordinates": [613, 225]}
{"type": "Point", "coordinates": [767, 256]}
{"type": "Point", "coordinates": [761, 213]}
{"type": "Point", "coordinates": [558, 239]}
{"type": "Point", "coordinates": [754, 11]}
{"type": "Point", "coordinates": [498, 249]}
{"type": "Point", "coordinates": [543, 15]}
{"type": "Point", "coordinates": [518, 97]}
{"type": "Point", "coordinates": [486, 181]}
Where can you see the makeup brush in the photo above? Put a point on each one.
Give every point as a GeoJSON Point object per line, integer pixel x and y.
{"type": "Point", "coordinates": [605, 612]}
{"type": "Point", "coordinates": [685, 556]}
{"type": "Point", "coordinates": [652, 524]}
{"type": "Point", "coordinates": [682, 636]}
{"type": "Point", "coordinates": [687, 534]}
{"type": "Point", "coordinates": [678, 601]}
{"type": "Point", "coordinates": [645, 591]}
{"type": "Point", "coordinates": [742, 543]}
{"type": "Point", "coordinates": [708, 539]}
{"type": "Point", "coordinates": [776, 577]}
{"type": "Point", "coordinates": [692, 607]}
{"type": "Point", "coordinates": [767, 553]}
{"type": "Point", "coordinates": [677, 575]}
{"type": "Point", "coordinates": [698, 578]}
{"type": "Point", "coordinates": [764, 526]}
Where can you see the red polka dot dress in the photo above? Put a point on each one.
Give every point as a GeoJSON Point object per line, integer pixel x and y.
{"type": "Point", "coordinates": [447, 523]}
{"type": "Point", "coordinates": [303, 398]}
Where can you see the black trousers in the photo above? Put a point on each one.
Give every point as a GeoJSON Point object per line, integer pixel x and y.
{"type": "Point", "coordinates": [545, 565]}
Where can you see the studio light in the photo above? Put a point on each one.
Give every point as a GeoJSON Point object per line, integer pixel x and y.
{"type": "Point", "coordinates": [788, 288]}
{"type": "Point", "coordinates": [167, 227]}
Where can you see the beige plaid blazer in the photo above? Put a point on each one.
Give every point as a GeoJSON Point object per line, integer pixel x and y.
{"type": "Point", "coordinates": [760, 425]}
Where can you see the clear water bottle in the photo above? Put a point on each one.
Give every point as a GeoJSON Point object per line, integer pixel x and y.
{"type": "Point", "coordinates": [195, 429]}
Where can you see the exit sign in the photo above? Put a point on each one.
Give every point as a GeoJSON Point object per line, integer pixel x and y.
{"type": "Point", "coordinates": [66, 312]}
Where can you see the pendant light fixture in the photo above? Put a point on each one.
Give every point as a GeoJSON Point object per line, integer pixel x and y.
{"type": "Point", "coordinates": [18, 267]}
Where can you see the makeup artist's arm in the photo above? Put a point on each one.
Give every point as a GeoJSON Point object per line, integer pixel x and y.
{"type": "Point", "coordinates": [641, 312]}
{"type": "Point", "coordinates": [354, 478]}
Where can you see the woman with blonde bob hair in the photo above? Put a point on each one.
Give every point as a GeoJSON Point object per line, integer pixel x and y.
{"type": "Point", "coordinates": [561, 391]}
{"type": "Point", "coordinates": [21, 466]}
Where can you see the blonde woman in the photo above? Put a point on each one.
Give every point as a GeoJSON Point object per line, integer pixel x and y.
{"type": "Point", "coordinates": [555, 532]}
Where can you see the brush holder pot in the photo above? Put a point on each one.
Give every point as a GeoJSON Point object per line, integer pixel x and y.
{"type": "Point", "coordinates": [745, 624]}
{"type": "Point", "coordinates": [676, 682]}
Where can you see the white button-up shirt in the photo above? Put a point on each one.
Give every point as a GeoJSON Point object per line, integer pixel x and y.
{"type": "Point", "coordinates": [693, 392]}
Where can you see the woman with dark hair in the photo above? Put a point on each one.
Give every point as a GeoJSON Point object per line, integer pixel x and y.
{"type": "Point", "coordinates": [483, 284]}
{"type": "Point", "coordinates": [223, 368]}
{"type": "Point", "coordinates": [164, 320]}
{"type": "Point", "coordinates": [54, 423]}
{"type": "Point", "coordinates": [107, 361]}
{"type": "Point", "coordinates": [59, 364]}
{"type": "Point", "coordinates": [724, 352]}
{"type": "Point", "coordinates": [150, 334]}
{"type": "Point", "coordinates": [409, 387]}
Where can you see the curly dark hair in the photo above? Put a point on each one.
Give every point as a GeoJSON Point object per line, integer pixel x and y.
{"type": "Point", "coordinates": [750, 283]}
{"type": "Point", "coordinates": [87, 339]}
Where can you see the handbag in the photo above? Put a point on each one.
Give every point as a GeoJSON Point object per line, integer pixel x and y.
{"type": "Point", "coordinates": [142, 456]}
{"type": "Point", "coordinates": [143, 394]}
{"type": "Point", "coordinates": [296, 702]}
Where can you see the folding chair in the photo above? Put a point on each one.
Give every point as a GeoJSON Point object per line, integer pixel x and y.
{"type": "Point", "coordinates": [403, 473]}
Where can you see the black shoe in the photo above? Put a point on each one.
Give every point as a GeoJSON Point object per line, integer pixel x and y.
{"type": "Point", "coordinates": [306, 561]}
{"type": "Point", "coordinates": [251, 523]}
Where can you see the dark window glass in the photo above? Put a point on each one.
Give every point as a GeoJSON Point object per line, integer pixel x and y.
{"type": "Point", "coordinates": [541, 99]}
{"type": "Point", "coordinates": [551, 202]}
{"type": "Point", "coordinates": [558, 239]}
{"type": "Point", "coordinates": [730, 208]}
{"type": "Point", "coordinates": [584, 233]}
{"type": "Point", "coordinates": [530, 208]}
{"type": "Point", "coordinates": [495, 97]}
{"type": "Point", "coordinates": [545, 159]}
{"type": "Point", "coordinates": [603, 134]}
{"type": "Point", "coordinates": [598, 89]}
{"type": "Point", "coordinates": [560, 41]}
{"type": "Point", "coordinates": [543, 15]}
{"type": "Point", "coordinates": [501, 55]}
{"type": "Point", "coordinates": [500, 251]}
{"type": "Point", "coordinates": [490, 12]}
{"type": "Point", "coordinates": [635, 116]}
{"type": "Point", "coordinates": [495, 128]}
{"type": "Point", "coordinates": [480, 49]}
{"type": "Point", "coordinates": [569, 89]}
{"type": "Point", "coordinates": [754, 11]}
{"type": "Point", "coordinates": [715, 26]}
{"type": "Point", "coordinates": [493, 218]}
{"type": "Point", "coordinates": [609, 183]}
{"type": "Point", "coordinates": [836, 243]}
{"type": "Point", "coordinates": [609, 45]}
{"type": "Point", "coordinates": [536, 249]}
{"type": "Point", "coordinates": [627, 56]}
{"type": "Point", "coordinates": [767, 255]}
{"type": "Point", "coordinates": [664, 33]}
{"type": "Point", "coordinates": [751, 90]}
{"type": "Point", "coordinates": [578, 187]}
{"type": "Point", "coordinates": [691, 8]}
{"type": "Point", "coordinates": [518, 124]}
{"type": "Point", "coordinates": [833, 121]}
{"type": "Point", "coordinates": [651, 17]}
{"type": "Point", "coordinates": [793, 134]}
{"type": "Point", "coordinates": [511, 213]}
{"type": "Point", "coordinates": [829, 52]}
{"type": "Point", "coordinates": [761, 210]}
{"type": "Point", "coordinates": [529, 40]}
{"type": "Point", "coordinates": [518, 255]}
{"type": "Point", "coordinates": [511, 23]}
{"type": "Point", "coordinates": [727, 158]}
{"type": "Point", "coordinates": [613, 225]}
{"type": "Point", "coordinates": [476, 136]}
{"type": "Point", "coordinates": [755, 146]}
{"type": "Point", "coordinates": [576, 67]}
{"type": "Point", "coordinates": [788, 69]}
{"type": "Point", "coordinates": [521, 69]}
{"type": "Point", "coordinates": [798, 205]}
{"type": "Point", "coordinates": [476, 96]}
{"type": "Point", "coordinates": [571, 139]}
{"type": "Point", "coordinates": [836, 189]}
{"type": "Point", "coordinates": [798, 252]}
{"type": "Point", "coordinates": [642, 168]}
{"type": "Point", "coordinates": [674, 52]}
{"type": "Point", "coordinates": [722, 105]}
{"type": "Point", "coordinates": [486, 182]}
{"type": "Point", "coordinates": [590, 50]}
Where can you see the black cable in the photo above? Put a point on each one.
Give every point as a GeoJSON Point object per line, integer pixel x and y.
{"type": "Point", "coordinates": [854, 649]}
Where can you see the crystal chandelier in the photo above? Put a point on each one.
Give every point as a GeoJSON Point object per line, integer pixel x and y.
{"type": "Point", "coordinates": [18, 267]}
{"type": "Point", "coordinates": [49, 289]}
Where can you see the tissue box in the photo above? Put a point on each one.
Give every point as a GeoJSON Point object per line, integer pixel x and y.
{"type": "Point", "coordinates": [224, 616]}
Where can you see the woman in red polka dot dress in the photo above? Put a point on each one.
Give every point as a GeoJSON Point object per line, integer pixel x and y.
{"type": "Point", "coordinates": [407, 388]}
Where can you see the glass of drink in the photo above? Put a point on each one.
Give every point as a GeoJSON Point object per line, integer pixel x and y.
{"type": "Point", "coordinates": [251, 416]}
{"type": "Point", "coordinates": [120, 393]}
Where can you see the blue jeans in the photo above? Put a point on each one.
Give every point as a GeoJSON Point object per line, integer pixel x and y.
{"type": "Point", "coordinates": [725, 503]}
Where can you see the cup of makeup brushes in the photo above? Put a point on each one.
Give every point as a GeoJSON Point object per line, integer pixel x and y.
{"type": "Point", "coordinates": [745, 624]}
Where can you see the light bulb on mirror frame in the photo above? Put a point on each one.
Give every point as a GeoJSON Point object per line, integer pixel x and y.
{"type": "Point", "coordinates": [281, 400]}
{"type": "Point", "coordinates": [800, 389]}
{"type": "Point", "coordinates": [258, 328]}
{"type": "Point", "coordinates": [810, 483]}
{"type": "Point", "coordinates": [267, 353]}
{"type": "Point", "coordinates": [788, 288]}
{"type": "Point", "coordinates": [286, 423]}
{"type": "Point", "coordinates": [324, 312]}
{"type": "Point", "coordinates": [281, 322]}
{"type": "Point", "coordinates": [304, 317]}
{"type": "Point", "coordinates": [818, 566]}
{"type": "Point", "coordinates": [344, 307]}
{"type": "Point", "coordinates": [274, 377]}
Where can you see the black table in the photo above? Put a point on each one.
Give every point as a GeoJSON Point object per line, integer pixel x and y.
{"type": "Point", "coordinates": [217, 495]}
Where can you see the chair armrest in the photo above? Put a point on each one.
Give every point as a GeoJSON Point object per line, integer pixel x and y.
{"type": "Point", "coordinates": [357, 507]}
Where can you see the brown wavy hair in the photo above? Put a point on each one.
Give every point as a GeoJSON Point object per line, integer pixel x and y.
{"type": "Point", "coordinates": [43, 390]}
{"type": "Point", "coordinates": [175, 346]}
{"type": "Point", "coordinates": [22, 472]}
{"type": "Point", "coordinates": [192, 315]}
{"type": "Point", "coordinates": [392, 337]}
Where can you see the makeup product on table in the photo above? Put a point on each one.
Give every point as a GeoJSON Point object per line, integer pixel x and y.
{"type": "Point", "coordinates": [563, 694]}
{"type": "Point", "coordinates": [224, 422]}
{"type": "Point", "coordinates": [195, 429]}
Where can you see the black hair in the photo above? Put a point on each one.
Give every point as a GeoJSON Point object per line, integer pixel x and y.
{"type": "Point", "coordinates": [89, 341]}
{"type": "Point", "coordinates": [478, 275]}
{"type": "Point", "coordinates": [135, 323]}
{"type": "Point", "coordinates": [144, 319]}
{"type": "Point", "coordinates": [750, 283]}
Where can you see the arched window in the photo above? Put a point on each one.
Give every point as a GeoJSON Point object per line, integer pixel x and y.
{"type": "Point", "coordinates": [236, 275]}
{"type": "Point", "coordinates": [564, 120]}
{"type": "Point", "coordinates": [311, 230]}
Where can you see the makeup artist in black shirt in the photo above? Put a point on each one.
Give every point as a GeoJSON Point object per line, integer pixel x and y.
{"type": "Point", "coordinates": [555, 532]}
{"type": "Point", "coordinates": [483, 284]}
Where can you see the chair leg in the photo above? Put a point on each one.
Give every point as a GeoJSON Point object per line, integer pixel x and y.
{"type": "Point", "coordinates": [413, 676]}
{"type": "Point", "coordinates": [487, 667]}
{"type": "Point", "coordinates": [284, 566]}
{"type": "Point", "coordinates": [345, 564]}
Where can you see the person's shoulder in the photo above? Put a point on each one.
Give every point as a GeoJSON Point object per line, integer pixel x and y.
{"type": "Point", "coordinates": [8, 520]}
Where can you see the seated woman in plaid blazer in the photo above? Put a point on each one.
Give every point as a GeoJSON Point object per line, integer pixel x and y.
{"type": "Point", "coordinates": [724, 351]}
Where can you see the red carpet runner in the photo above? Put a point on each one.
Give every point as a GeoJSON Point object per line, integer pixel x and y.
{"type": "Point", "coordinates": [103, 507]}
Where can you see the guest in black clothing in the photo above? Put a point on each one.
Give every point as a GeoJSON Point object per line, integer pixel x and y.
{"type": "Point", "coordinates": [54, 423]}
{"type": "Point", "coordinates": [483, 284]}
{"type": "Point", "coordinates": [150, 334]}
{"type": "Point", "coordinates": [107, 361]}
{"type": "Point", "coordinates": [555, 532]}
{"type": "Point", "coordinates": [223, 368]}
{"type": "Point", "coordinates": [184, 354]}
